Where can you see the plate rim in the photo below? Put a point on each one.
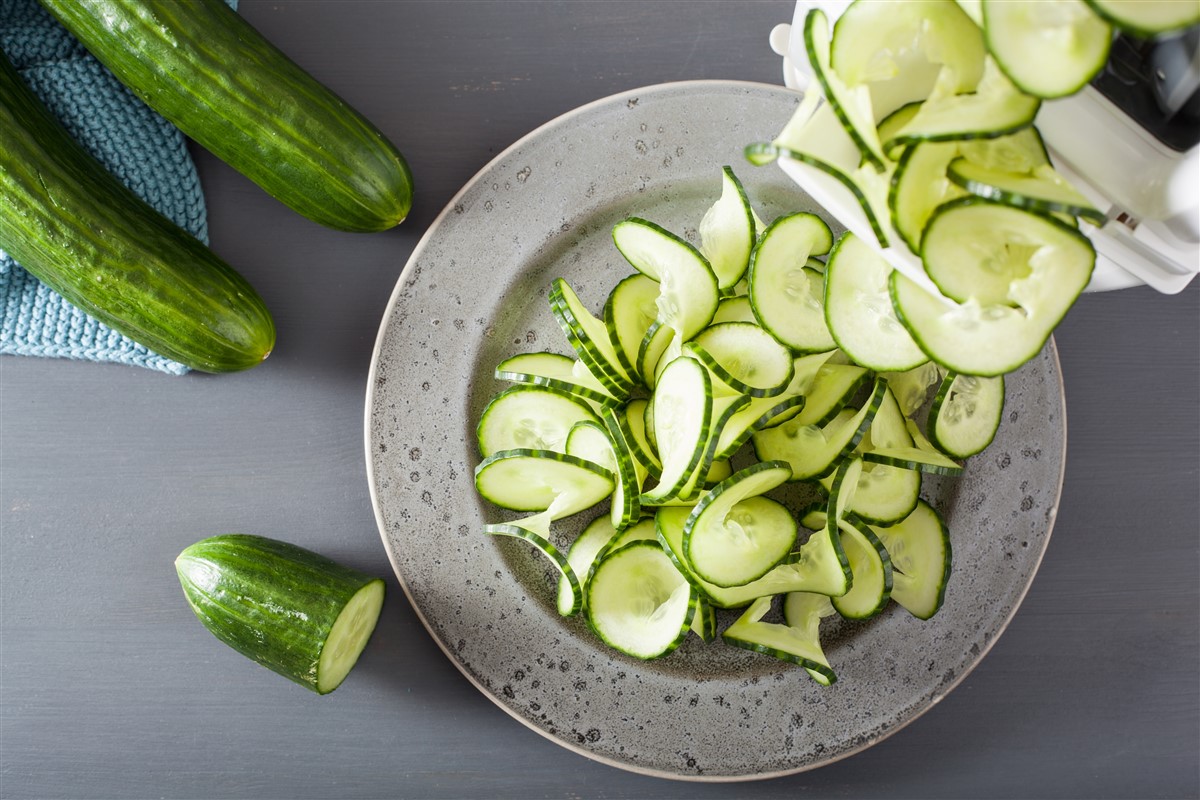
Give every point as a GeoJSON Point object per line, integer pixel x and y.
{"type": "Point", "coordinates": [376, 506]}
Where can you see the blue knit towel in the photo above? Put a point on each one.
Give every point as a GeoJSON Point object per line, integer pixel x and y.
{"type": "Point", "coordinates": [141, 148]}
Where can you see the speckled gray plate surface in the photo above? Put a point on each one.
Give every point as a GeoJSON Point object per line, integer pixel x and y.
{"type": "Point", "coordinates": [474, 292]}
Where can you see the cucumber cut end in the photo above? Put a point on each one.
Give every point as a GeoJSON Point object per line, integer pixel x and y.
{"type": "Point", "coordinates": [349, 636]}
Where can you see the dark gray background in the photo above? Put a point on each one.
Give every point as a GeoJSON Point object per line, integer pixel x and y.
{"type": "Point", "coordinates": [111, 688]}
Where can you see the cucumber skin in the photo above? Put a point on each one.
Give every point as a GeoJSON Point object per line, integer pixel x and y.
{"type": "Point", "coordinates": [271, 601]}
{"type": "Point", "coordinates": [216, 78]}
{"type": "Point", "coordinates": [86, 235]}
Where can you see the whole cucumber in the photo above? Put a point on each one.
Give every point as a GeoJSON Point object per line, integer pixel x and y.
{"type": "Point", "coordinates": [86, 235]}
{"type": "Point", "coordinates": [216, 78]}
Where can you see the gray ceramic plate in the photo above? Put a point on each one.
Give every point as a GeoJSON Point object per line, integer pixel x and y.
{"type": "Point", "coordinates": [474, 293]}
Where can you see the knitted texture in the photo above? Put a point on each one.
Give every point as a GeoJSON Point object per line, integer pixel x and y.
{"type": "Point", "coordinates": [139, 147]}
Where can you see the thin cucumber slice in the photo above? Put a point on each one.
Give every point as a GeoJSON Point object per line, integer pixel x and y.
{"type": "Point", "coordinates": [704, 624]}
{"type": "Point", "coordinates": [1041, 190]}
{"type": "Point", "coordinates": [581, 555]}
{"type": "Point", "coordinates": [869, 561]}
{"type": "Point", "coordinates": [819, 566]}
{"type": "Point", "coordinates": [813, 451]}
{"type": "Point", "coordinates": [590, 441]}
{"type": "Point", "coordinates": [744, 357]}
{"type": "Point", "coordinates": [762, 412]}
{"type": "Point", "coordinates": [851, 102]}
{"type": "Point", "coordinates": [919, 547]}
{"type": "Point", "coordinates": [1018, 275]}
{"type": "Point", "coordinates": [638, 603]}
{"type": "Point", "coordinates": [819, 151]}
{"type": "Point", "coordinates": [683, 402]}
{"type": "Point", "coordinates": [658, 339]}
{"type": "Point", "coordinates": [859, 311]}
{"type": "Point", "coordinates": [542, 480]}
{"type": "Point", "coordinates": [996, 108]}
{"type": "Point", "coordinates": [727, 232]}
{"type": "Point", "coordinates": [786, 295]}
{"type": "Point", "coordinates": [911, 387]}
{"type": "Point", "coordinates": [734, 535]}
{"type": "Point", "coordinates": [734, 309]}
{"type": "Point", "coordinates": [805, 610]}
{"type": "Point", "coordinates": [893, 122]}
{"type": "Point", "coordinates": [555, 371]}
{"type": "Point", "coordinates": [915, 458]}
{"type": "Point", "coordinates": [573, 601]}
{"type": "Point", "coordinates": [1048, 48]}
{"type": "Point", "coordinates": [633, 427]}
{"type": "Point", "coordinates": [1148, 18]}
{"type": "Point", "coordinates": [966, 414]}
{"type": "Point", "coordinates": [899, 47]}
{"type": "Point", "coordinates": [835, 386]}
{"type": "Point", "coordinates": [589, 337]}
{"type": "Point", "coordinates": [797, 643]}
{"type": "Point", "coordinates": [919, 186]}
{"type": "Point", "coordinates": [628, 313]}
{"type": "Point", "coordinates": [531, 417]}
{"type": "Point", "coordinates": [1022, 151]}
{"type": "Point", "coordinates": [708, 470]}
{"type": "Point", "coordinates": [597, 442]}
{"type": "Point", "coordinates": [688, 290]}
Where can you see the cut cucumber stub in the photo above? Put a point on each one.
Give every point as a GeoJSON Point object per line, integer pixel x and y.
{"type": "Point", "coordinates": [531, 417]}
{"type": "Point", "coordinates": [919, 547]}
{"type": "Point", "coordinates": [1148, 17]}
{"type": "Point", "coordinates": [743, 358]}
{"type": "Point", "coordinates": [555, 371]}
{"type": "Point", "coordinates": [966, 414]}
{"type": "Point", "coordinates": [533, 480]}
{"type": "Point", "coordinates": [1048, 48]}
{"type": "Point", "coordinates": [919, 186]}
{"type": "Point", "coordinates": [734, 535]}
{"type": "Point", "coordinates": [859, 311]}
{"type": "Point", "coordinates": [787, 296]}
{"type": "Point", "coordinates": [1042, 189]}
{"type": "Point", "coordinates": [683, 402]}
{"type": "Point", "coordinates": [727, 232]}
{"type": "Point", "coordinates": [288, 609]}
{"type": "Point", "coordinates": [628, 313]}
{"type": "Point", "coordinates": [996, 108]}
{"type": "Point", "coordinates": [898, 48]}
{"type": "Point", "coordinates": [638, 603]}
{"type": "Point", "coordinates": [688, 290]}
{"type": "Point", "coordinates": [798, 643]}
{"type": "Point", "coordinates": [851, 103]}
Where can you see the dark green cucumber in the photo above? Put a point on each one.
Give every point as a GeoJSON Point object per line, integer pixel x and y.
{"type": "Point", "coordinates": [287, 608]}
{"type": "Point", "coordinates": [86, 235]}
{"type": "Point", "coordinates": [223, 84]}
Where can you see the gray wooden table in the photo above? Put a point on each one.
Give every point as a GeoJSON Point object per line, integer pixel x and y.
{"type": "Point", "coordinates": [110, 688]}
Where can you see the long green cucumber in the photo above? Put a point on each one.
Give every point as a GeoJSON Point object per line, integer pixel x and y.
{"type": "Point", "coordinates": [216, 78]}
{"type": "Point", "coordinates": [287, 608]}
{"type": "Point", "coordinates": [83, 233]}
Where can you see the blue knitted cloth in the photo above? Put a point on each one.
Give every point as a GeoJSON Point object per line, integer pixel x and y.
{"type": "Point", "coordinates": [146, 152]}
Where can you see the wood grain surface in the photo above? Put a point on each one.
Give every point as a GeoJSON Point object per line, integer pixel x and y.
{"type": "Point", "coordinates": [109, 687]}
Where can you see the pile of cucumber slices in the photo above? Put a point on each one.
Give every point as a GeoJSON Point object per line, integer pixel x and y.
{"type": "Point", "coordinates": [745, 351]}
{"type": "Point", "coordinates": [774, 354]}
